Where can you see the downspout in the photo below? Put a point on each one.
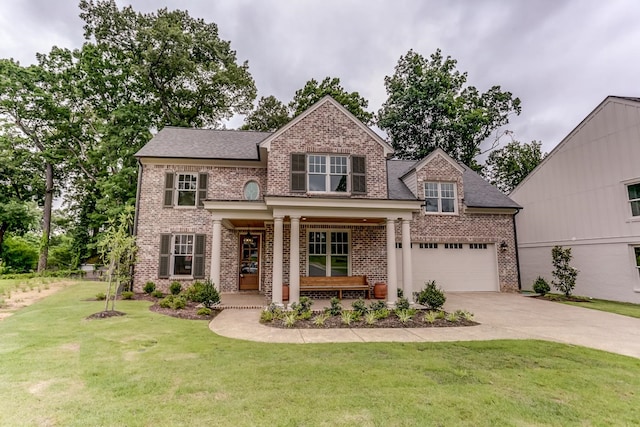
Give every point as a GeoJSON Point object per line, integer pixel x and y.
{"type": "Point", "coordinates": [135, 218]}
{"type": "Point", "coordinates": [515, 238]}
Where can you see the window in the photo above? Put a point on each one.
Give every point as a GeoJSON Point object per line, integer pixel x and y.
{"type": "Point", "coordinates": [251, 191]}
{"type": "Point", "coordinates": [327, 173]}
{"type": "Point", "coordinates": [637, 254]}
{"type": "Point", "coordinates": [453, 245]}
{"type": "Point", "coordinates": [440, 197]}
{"type": "Point", "coordinates": [634, 198]}
{"type": "Point", "coordinates": [428, 246]}
{"type": "Point", "coordinates": [185, 189]}
{"type": "Point", "coordinates": [328, 253]}
{"type": "Point", "coordinates": [181, 255]}
{"type": "Point", "coordinates": [477, 246]}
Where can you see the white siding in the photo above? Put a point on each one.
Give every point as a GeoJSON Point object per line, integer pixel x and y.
{"type": "Point", "coordinates": [577, 197]}
{"type": "Point", "coordinates": [412, 183]}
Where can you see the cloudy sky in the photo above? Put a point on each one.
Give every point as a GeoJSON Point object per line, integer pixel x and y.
{"type": "Point", "coordinates": [561, 58]}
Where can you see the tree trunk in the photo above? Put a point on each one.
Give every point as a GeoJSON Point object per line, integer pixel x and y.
{"type": "Point", "coordinates": [46, 218]}
{"type": "Point", "coordinates": [3, 229]}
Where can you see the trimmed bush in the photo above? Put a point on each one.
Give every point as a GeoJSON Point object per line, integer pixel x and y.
{"type": "Point", "coordinates": [336, 307]}
{"type": "Point", "coordinates": [203, 292]}
{"type": "Point", "coordinates": [564, 275]}
{"type": "Point", "coordinates": [175, 288]}
{"type": "Point", "coordinates": [174, 302]}
{"type": "Point", "coordinates": [540, 286]}
{"type": "Point", "coordinates": [402, 304]}
{"type": "Point", "coordinates": [157, 294]}
{"type": "Point", "coordinates": [149, 287]}
{"type": "Point", "coordinates": [100, 296]}
{"type": "Point", "coordinates": [204, 311]}
{"type": "Point", "coordinates": [360, 307]}
{"type": "Point", "coordinates": [431, 296]}
{"type": "Point", "coordinates": [127, 295]}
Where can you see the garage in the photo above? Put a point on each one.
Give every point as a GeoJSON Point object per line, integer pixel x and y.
{"type": "Point", "coordinates": [456, 267]}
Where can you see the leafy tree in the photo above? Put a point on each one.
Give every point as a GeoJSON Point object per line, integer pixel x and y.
{"type": "Point", "coordinates": [20, 253]}
{"type": "Point", "coordinates": [117, 247]}
{"type": "Point", "coordinates": [429, 107]}
{"type": "Point", "coordinates": [269, 116]}
{"type": "Point", "coordinates": [507, 167]}
{"type": "Point", "coordinates": [564, 275]}
{"type": "Point", "coordinates": [313, 91]}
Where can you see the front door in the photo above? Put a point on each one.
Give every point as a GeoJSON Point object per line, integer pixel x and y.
{"type": "Point", "coordinates": [249, 262]}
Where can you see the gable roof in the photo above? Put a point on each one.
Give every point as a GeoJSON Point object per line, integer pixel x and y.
{"type": "Point", "coordinates": [189, 143]}
{"type": "Point", "coordinates": [611, 98]}
{"type": "Point", "coordinates": [478, 193]}
{"type": "Point", "coordinates": [388, 150]}
{"type": "Point", "coordinates": [437, 152]}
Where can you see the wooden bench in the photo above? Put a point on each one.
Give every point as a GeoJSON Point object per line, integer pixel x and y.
{"type": "Point", "coordinates": [342, 283]}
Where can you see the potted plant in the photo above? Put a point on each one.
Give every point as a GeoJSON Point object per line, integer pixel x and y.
{"type": "Point", "coordinates": [380, 290]}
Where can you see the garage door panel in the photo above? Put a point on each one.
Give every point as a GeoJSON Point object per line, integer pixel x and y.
{"type": "Point", "coordinates": [455, 269]}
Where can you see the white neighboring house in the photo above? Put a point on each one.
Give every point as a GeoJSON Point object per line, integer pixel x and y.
{"type": "Point", "coordinates": [586, 195]}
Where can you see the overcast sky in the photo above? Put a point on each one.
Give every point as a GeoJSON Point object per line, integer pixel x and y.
{"type": "Point", "coordinates": [561, 58]}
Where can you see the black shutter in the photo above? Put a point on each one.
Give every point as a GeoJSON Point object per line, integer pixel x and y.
{"type": "Point", "coordinates": [358, 175]}
{"type": "Point", "coordinates": [298, 173]}
{"type": "Point", "coordinates": [165, 254]}
{"type": "Point", "coordinates": [168, 190]}
{"type": "Point", "coordinates": [202, 188]}
{"type": "Point", "coordinates": [198, 257]}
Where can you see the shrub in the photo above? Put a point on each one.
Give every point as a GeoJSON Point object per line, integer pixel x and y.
{"type": "Point", "coordinates": [564, 275]}
{"type": "Point", "coordinates": [382, 313]}
{"type": "Point", "coordinates": [100, 296]}
{"type": "Point", "coordinates": [274, 310]}
{"type": "Point", "coordinates": [149, 287]}
{"type": "Point", "coordinates": [431, 296]}
{"type": "Point", "coordinates": [303, 308]}
{"type": "Point", "coordinates": [404, 315]}
{"type": "Point", "coordinates": [265, 317]}
{"type": "Point", "coordinates": [540, 286]}
{"type": "Point", "coordinates": [175, 302]}
{"type": "Point", "coordinates": [347, 317]}
{"type": "Point", "coordinates": [402, 304]}
{"type": "Point", "coordinates": [399, 293]}
{"type": "Point", "coordinates": [430, 316]}
{"type": "Point", "coordinates": [441, 314]}
{"type": "Point", "coordinates": [360, 307]}
{"type": "Point", "coordinates": [127, 295]}
{"type": "Point", "coordinates": [204, 311]}
{"type": "Point", "coordinates": [175, 288]}
{"type": "Point", "coordinates": [166, 302]}
{"type": "Point", "coordinates": [370, 318]}
{"type": "Point", "coordinates": [336, 307]}
{"type": "Point", "coordinates": [157, 293]}
{"type": "Point", "coordinates": [320, 319]}
{"type": "Point", "coordinates": [203, 292]}
{"type": "Point", "coordinates": [377, 305]}
{"type": "Point", "coordinates": [290, 319]}
{"type": "Point", "coordinates": [466, 315]}
{"type": "Point", "coordinates": [452, 317]}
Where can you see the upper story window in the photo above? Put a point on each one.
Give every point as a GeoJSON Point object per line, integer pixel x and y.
{"type": "Point", "coordinates": [188, 189]}
{"type": "Point", "coordinates": [251, 191]}
{"type": "Point", "coordinates": [328, 173]}
{"type": "Point", "coordinates": [636, 252]}
{"type": "Point", "coordinates": [440, 197]}
{"type": "Point", "coordinates": [634, 198]}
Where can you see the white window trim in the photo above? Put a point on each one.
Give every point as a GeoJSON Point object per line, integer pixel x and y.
{"type": "Point", "coordinates": [629, 201]}
{"type": "Point", "coordinates": [455, 197]}
{"type": "Point", "coordinates": [244, 188]}
{"type": "Point", "coordinates": [172, 255]}
{"type": "Point", "coordinates": [176, 190]}
{"type": "Point", "coordinates": [328, 254]}
{"type": "Point", "coordinates": [327, 174]}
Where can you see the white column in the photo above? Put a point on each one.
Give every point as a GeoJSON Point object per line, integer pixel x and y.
{"type": "Point", "coordinates": [407, 276]}
{"type": "Point", "coordinates": [294, 260]}
{"type": "Point", "coordinates": [216, 250]}
{"type": "Point", "coordinates": [392, 285]}
{"type": "Point", "coordinates": [276, 290]}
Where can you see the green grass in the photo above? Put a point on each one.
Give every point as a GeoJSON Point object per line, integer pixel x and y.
{"type": "Point", "coordinates": [624, 308]}
{"type": "Point", "coordinates": [145, 369]}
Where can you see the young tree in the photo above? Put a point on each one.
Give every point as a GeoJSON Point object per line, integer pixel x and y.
{"type": "Point", "coordinates": [313, 91]}
{"type": "Point", "coordinates": [429, 107]}
{"type": "Point", "coordinates": [507, 167]}
{"type": "Point", "coordinates": [269, 116]}
{"type": "Point", "coordinates": [564, 275]}
{"type": "Point", "coordinates": [117, 247]}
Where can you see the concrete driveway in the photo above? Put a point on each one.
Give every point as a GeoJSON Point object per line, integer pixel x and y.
{"type": "Point", "coordinates": [501, 316]}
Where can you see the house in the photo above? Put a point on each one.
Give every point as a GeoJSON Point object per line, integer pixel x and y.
{"type": "Point", "coordinates": [586, 195]}
{"type": "Point", "coordinates": [320, 197]}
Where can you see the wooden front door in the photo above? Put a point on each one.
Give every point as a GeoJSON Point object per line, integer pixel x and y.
{"type": "Point", "coordinates": [249, 263]}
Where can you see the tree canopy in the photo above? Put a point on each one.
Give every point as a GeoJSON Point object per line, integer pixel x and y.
{"type": "Point", "coordinates": [430, 107]}
{"type": "Point", "coordinates": [507, 167]}
{"type": "Point", "coordinates": [269, 116]}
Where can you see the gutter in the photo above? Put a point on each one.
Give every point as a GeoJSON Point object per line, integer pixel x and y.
{"type": "Point", "coordinates": [515, 237]}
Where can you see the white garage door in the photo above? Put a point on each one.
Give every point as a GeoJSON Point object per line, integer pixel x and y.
{"type": "Point", "coordinates": [455, 267]}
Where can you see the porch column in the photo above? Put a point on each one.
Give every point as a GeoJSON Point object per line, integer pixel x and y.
{"type": "Point", "coordinates": [276, 281]}
{"type": "Point", "coordinates": [294, 260]}
{"type": "Point", "coordinates": [216, 250]}
{"type": "Point", "coordinates": [407, 276]}
{"type": "Point", "coordinates": [392, 285]}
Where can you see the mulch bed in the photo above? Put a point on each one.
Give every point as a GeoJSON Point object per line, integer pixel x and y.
{"type": "Point", "coordinates": [106, 314]}
{"type": "Point", "coordinates": [335, 322]}
{"type": "Point", "coordinates": [561, 298]}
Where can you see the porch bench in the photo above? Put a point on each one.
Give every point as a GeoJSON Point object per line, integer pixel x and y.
{"type": "Point", "coordinates": [341, 283]}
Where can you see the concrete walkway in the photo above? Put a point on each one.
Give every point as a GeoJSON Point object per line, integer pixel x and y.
{"type": "Point", "coordinates": [501, 316]}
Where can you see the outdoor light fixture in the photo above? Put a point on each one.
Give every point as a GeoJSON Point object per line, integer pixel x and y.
{"type": "Point", "coordinates": [503, 246]}
{"type": "Point", "coordinates": [248, 238]}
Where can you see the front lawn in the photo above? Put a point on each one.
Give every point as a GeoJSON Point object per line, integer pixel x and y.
{"type": "Point", "coordinates": [146, 369]}
{"type": "Point", "coordinates": [624, 308]}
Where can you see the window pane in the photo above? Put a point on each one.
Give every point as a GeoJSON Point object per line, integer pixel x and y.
{"type": "Point", "coordinates": [317, 265]}
{"type": "Point", "coordinates": [339, 243]}
{"type": "Point", "coordinates": [447, 205]}
{"type": "Point", "coordinates": [317, 183]}
{"type": "Point", "coordinates": [317, 243]}
{"type": "Point", "coordinates": [339, 183]}
{"type": "Point", "coordinates": [186, 198]}
{"type": "Point", "coordinates": [338, 165]}
{"type": "Point", "coordinates": [182, 264]}
{"type": "Point", "coordinates": [634, 191]}
{"type": "Point", "coordinates": [447, 190]}
{"type": "Point", "coordinates": [187, 185]}
{"type": "Point", "coordinates": [635, 208]}
{"type": "Point", "coordinates": [431, 189]}
{"type": "Point", "coordinates": [339, 266]}
{"type": "Point", "coordinates": [637, 250]}
{"type": "Point", "coordinates": [432, 205]}
{"type": "Point", "coordinates": [317, 164]}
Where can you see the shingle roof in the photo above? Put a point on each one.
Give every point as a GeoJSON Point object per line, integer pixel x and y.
{"type": "Point", "coordinates": [203, 144]}
{"type": "Point", "coordinates": [628, 98]}
{"type": "Point", "coordinates": [478, 193]}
